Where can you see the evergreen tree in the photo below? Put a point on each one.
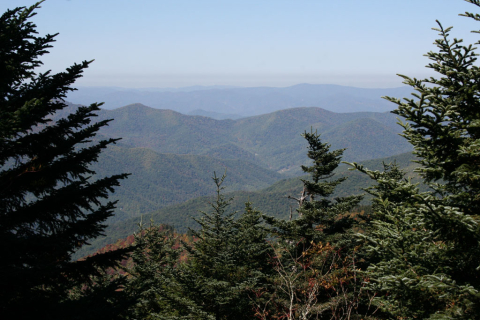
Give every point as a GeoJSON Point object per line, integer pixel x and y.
{"type": "Point", "coordinates": [318, 264]}
{"type": "Point", "coordinates": [427, 245]}
{"type": "Point", "coordinates": [48, 205]}
{"type": "Point", "coordinates": [227, 262]}
{"type": "Point", "coordinates": [254, 255]}
{"type": "Point", "coordinates": [321, 218]}
{"type": "Point", "coordinates": [152, 281]}
{"type": "Point", "coordinates": [392, 238]}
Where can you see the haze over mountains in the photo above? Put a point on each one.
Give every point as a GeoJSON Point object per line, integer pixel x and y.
{"type": "Point", "coordinates": [232, 102]}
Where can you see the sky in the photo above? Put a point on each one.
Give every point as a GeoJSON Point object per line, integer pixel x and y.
{"type": "Point", "coordinates": [177, 43]}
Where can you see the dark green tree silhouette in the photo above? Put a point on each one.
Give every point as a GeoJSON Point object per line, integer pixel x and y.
{"type": "Point", "coordinates": [48, 205]}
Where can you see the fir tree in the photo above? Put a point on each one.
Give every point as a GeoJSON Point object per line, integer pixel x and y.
{"type": "Point", "coordinates": [427, 245]}
{"type": "Point", "coordinates": [318, 256]}
{"type": "Point", "coordinates": [321, 218]}
{"type": "Point", "coordinates": [152, 281]}
{"type": "Point", "coordinates": [48, 205]}
{"type": "Point", "coordinates": [228, 262]}
{"type": "Point", "coordinates": [254, 255]}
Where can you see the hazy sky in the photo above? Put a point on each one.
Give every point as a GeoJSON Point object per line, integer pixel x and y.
{"type": "Point", "coordinates": [172, 43]}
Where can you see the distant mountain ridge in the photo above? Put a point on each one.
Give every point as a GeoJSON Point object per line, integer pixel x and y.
{"type": "Point", "coordinates": [244, 101]}
{"type": "Point", "coordinates": [214, 115]}
{"type": "Point", "coordinates": [270, 140]}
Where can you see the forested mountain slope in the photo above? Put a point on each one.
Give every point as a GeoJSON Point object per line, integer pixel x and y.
{"type": "Point", "coordinates": [190, 148]}
{"type": "Point", "coordinates": [271, 140]}
{"type": "Point", "coordinates": [158, 180]}
{"type": "Point", "coordinates": [271, 200]}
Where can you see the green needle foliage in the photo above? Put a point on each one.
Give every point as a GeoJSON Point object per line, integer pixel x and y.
{"type": "Point", "coordinates": [319, 215]}
{"type": "Point", "coordinates": [317, 267]}
{"type": "Point", "coordinates": [426, 245]}
{"type": "Point", "coordinates": [49, 207]}
{"type": "Point", "coordinates": [152, 278]}
{"type": "Point", "coordinates": [228, 262]}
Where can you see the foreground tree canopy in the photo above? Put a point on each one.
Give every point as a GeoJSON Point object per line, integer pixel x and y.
{"type": "Point", "coordinates": [48, 205]}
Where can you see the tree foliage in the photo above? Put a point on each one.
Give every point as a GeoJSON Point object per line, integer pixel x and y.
{"type": "Point", "coordinates": [228, 262]}
{"type": "Point", "coordinates": [151, 280]}
{"type": "Point", "coordinates": [319, 214]}
{"type": "Point", "coordinates": [426, 245]}
{"type": "Point", "coordinates": [48, 205]}
{"type": "Point", "coordinates": [316, 266]}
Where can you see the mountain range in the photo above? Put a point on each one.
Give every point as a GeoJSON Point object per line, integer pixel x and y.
{"type": "Point", "coordinates": [272, 140]}
{"type": "Point", "coordinates": [172, 157]}
{"type": "Point", "coordinates": [234, 102]}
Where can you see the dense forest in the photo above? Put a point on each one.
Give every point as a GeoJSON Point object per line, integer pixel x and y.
{"type": "Point", "coordinates": [409, 248]}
